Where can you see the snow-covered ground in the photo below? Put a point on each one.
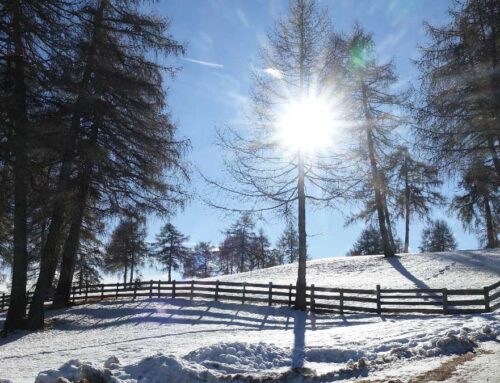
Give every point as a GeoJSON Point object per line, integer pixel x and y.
{"type": "Point", "coordinates": [177, 340]}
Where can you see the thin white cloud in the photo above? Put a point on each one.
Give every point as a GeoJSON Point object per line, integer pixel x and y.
{"type": "Point", "coordinates": [243, 18]}
{"type": "Point", "coordinates": [204, 63]}
{"type": "Point", "coordinates": [273, 72]}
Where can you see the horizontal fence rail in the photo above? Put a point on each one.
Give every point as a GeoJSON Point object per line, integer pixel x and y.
{"type": "Point", "coordinates": [319, 299]}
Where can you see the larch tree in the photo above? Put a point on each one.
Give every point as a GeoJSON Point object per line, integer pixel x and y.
{"type": "Point", "coordinates": [126, 250]}
{"type": "Point", "coordinates": [437, 236]}
{"type": "Point", "coordinates": [169, 250]}
{"type": "Point", "coordinates": [458, 111]}
{"type": "Point", "coordinates": [416, 187]}
{"type": "Point", "coordinates": [283, 159]}
{"type": "Point", "coordinates": [120, 153]}
{"type": "Point", "coordinates": [478, 206]}
{"type": "Point", "coordinates": [30, 35]}
{"type": "Point", "coordinates": [375, 111]}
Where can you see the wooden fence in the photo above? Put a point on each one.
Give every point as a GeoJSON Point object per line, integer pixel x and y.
{"type": "Point", "coordinates": [319, 299]}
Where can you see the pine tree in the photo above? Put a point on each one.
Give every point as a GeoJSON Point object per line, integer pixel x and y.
{"type": "Point", "coordinates": [169, 250]}
{"type": "Point", "coordinates": [437, 236]}
{"type": "Point", "coordinates": [126, 250]}
{"type": "Point", "coordinates": [200, 264]}
{"type": "Point", "coordinates": [261, 250]}
{"type": "Point", "coordinates": [368, 243]}
{"type": "Point", "coordinates": [241, 243]}
{"type": "Point", "coordinates": [288, 243]}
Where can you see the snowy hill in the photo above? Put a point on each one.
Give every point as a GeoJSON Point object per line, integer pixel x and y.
{"type": "Point", "coordinates": [183, 341]}
{"type": "Point", "coordinates": [457, 269]}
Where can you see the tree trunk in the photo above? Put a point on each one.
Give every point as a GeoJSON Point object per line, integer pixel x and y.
{"type": "Point", "coordinates": [377, 182]}
{"type": "Point", "coordinates": [69, 257]}
{"type": "Point", "coordinates": [16, 314]}
{"type": "Point", "coordinates": [132, 266]}
{"type": "Point", "coordinates": [170, 268]}
{"type": "Point", "coordinates": [300, 298]}
{"type": "Point", "coordinates": [389, 225]}
{"type": "Point", "coordinates": [407, 205]}
{"type": "Point", "coordinates": [48, 262]}
{"type": "Point", "coordinates": [490, 226]}
{"type": "Point", "coordinates": [125, 276]}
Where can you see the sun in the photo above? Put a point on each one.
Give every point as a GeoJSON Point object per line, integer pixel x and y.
{"type": "Point", "coordinates": [306, 125]}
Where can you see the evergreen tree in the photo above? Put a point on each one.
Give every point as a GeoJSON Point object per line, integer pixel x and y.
{"type": "Point", "coordinates": [169, 249]}
{"type": "Point", "coordinates": [288, 244]}
{"type": "Point", "coordinates": [368, 243]}
{"type": "Point", "coordinates": [126, 250]}
{"type": "Point", "coordinates": [200, 264]}
{"type": "Point", "coordinates": [242, 242]}
{"type": "Point", "coordinates": [437, 236]}
{"type": "Point", "coordinates": [261, 250]}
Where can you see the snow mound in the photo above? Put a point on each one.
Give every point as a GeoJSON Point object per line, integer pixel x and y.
{"type": "Point", "coordinates": [239, 357]}
{"type": "Point", "coordinates": [232, 361]}
{"type": "Point", "coordinates": [155, 369]}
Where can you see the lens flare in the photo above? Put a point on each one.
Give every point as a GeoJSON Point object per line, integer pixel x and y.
{"type": "Point", "coordinates": [307, 124]}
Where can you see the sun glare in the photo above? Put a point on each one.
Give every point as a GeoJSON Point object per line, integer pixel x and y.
{"type": "Point", "coordinates": [306, 125]}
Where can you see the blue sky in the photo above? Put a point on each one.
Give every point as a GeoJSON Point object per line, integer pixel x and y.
{"type": "Point", "coordinates": [223, 39]}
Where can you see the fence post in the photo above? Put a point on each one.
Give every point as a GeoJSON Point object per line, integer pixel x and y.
{"type": "Point", "coordinates": [313, 301]}
{"type": "Point", "coordinates": [216, 290]}
{"type": "Point", "coordinates": [102, 291]}
{"type": "Point", "coordinates": [192, 289]}
{"type": "Point", "coordinates": [3, 300]}
{"type": "Point", "coordinates": [74, 294]}
{"type": "Point", "coordinates": [341, 302]}
{"type": "Point", "coordinates": [135, 290]}
{"type": "Point", "coordinates": [445, 301]}
{"type": "Point", "coordinates": [117, 287]}
{"type": "Point", "coordinates": [173, 288]}
{"type": "Point", "coordinates": [487, 299]}
{"type": "Point", "coordinates": [86, 292]}
{"type": "Point", "coordinates": [290, 295]}
{"type": "Point", "coordinates": [244, 293]}
{"type": "Point", "coordinates": [379, 303]}
{"type": "Point", "coordinates": [159, 283]}
{"type": "Point", "coordinates": [270, 297]}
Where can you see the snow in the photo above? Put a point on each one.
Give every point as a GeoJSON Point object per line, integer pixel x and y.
{"type": "Point", "coordinates": [424, 270]}
{"type": "Point", "coordinates": [203, 341]}
{"type": "Point", "coordinates": [178, 340]}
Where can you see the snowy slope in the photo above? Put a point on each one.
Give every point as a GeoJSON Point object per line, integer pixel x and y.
{"type": "Point", "coordinates": [165, 340]}
{"type": "Point", "coordinates": [457, 269]}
